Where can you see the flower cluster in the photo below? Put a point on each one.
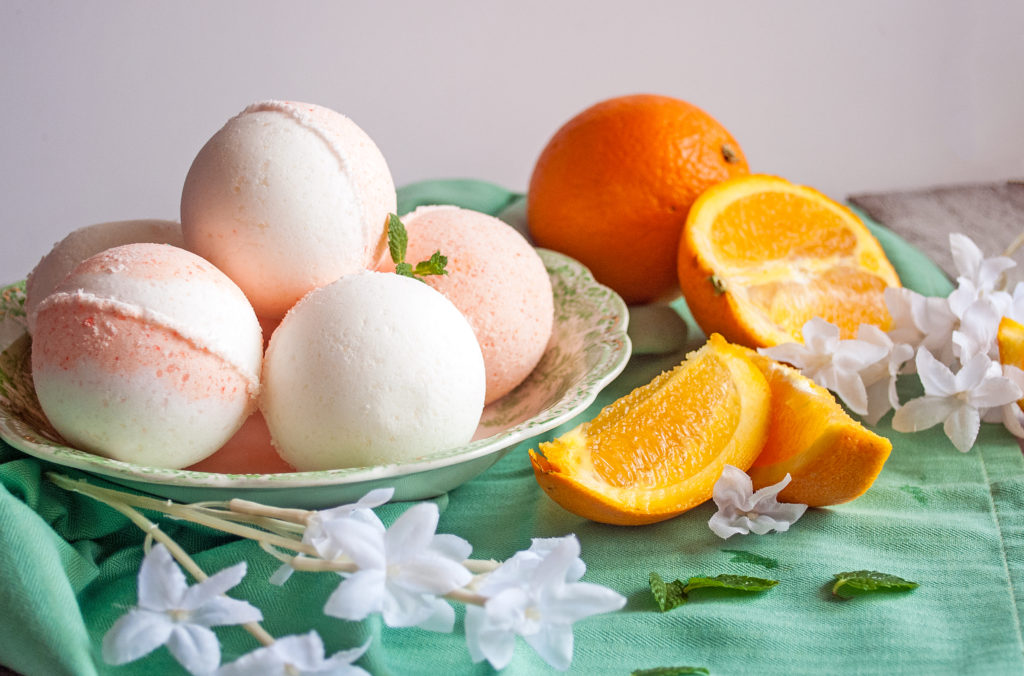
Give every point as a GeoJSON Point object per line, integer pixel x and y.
{"type": "Point", "coordinates": [951, 343]}
{"type": "Point", "coordinates": [408, 573]}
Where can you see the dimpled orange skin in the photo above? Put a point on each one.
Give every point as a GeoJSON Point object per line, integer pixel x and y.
{"type": "Point", "coordinates": [613, 186]}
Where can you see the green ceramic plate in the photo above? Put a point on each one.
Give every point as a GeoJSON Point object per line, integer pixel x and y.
{"type": "Point", "coordinates": [588, 348]}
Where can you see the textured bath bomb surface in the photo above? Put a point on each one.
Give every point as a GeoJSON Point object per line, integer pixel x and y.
{"type": "Point", "coordinates": [372, 369]}
{"type": "Point", "coordinates": [497, 281]}
{"type": "Point", "coordinates": [89, 241]}
{"type": "Point", "coordinates": [285, 198]}
{"type": "Point", "coordinates": [147, 353]}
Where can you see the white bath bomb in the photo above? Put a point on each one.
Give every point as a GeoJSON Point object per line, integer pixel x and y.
{"type": "Point", "coordinates": [147, 353]}
{"type": "Point", "coordinates": [374, 368]}
{"type": "Point", "coordinates": [285, 198]}
{"type": "Point", "coordinates": [89, 241]}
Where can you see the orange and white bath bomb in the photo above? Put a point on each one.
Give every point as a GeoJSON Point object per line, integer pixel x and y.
{"type": "Point", "coordinates": [89, 241]}
{"type": "Point", "coordinates": [371, 369]}
{"type": "Point", "coordinates": [147, 353]}
{"type": "Point", "coordinates": [497, 281]}
{"type": "Point", "coordinates": [285, 198]}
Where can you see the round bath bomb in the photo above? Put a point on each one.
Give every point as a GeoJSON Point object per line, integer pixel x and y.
{"type": "Point", "coordinates": [497, 281]}
{"type": "Point", "coordinates": [147, 353]}
{"type": "Point", "coordinates": [285, 198]}
{"type": "Point", "coordinates": [85, 242]}
{"type": "Point", "coordinates": [372, 369]}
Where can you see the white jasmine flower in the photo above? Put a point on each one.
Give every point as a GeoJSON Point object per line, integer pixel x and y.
{"type": "Point", "coordinates": [401, 571]}
{"type": "Point", "coordinates": [921, 320]}
{"type": "Point", "coordinates": [985, 274]}
{"type": "Point", "coordinates": [174, 614]}
{"type": "Point", "coordinates": [537, 595]}
{"type": "Point", "coordinates": [955, 400]}
{"type": "Point", "coordinates": [318, 528]}
{"type": "Point", "coordinates": [300, 655]}
{"type": "Point", "coordinates": [880, 378]}
{"type": "Point", "coordinates": [832, 363]}
{"type": "Point", "coordinates": [741, 510]}
{"type": "Point", "coordinates": [977, 332]}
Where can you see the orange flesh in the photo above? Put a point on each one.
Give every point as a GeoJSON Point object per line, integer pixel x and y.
{"type": "Point", "coordinates": [658, 440]}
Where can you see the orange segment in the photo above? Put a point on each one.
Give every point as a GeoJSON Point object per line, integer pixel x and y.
{"type": "Point", "coordinates": [1010, 338]}
{"type": "Point", "coordinates": [760, 256]}
{"type": "Point", "coordinates": [658, 451]}
{"type": "Point", "coordinates": [831, 457]}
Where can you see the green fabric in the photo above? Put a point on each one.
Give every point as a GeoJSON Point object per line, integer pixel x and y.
{"type": "Point", "coordinates": [949, 521]}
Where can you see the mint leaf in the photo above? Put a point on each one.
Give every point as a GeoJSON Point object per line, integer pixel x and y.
{"type": "Point", "coordinates": [733, 582]}
{"type": "Point", "coordinates": [860, 582]}
{"type": "Point", "coordinates": [671, 671]}
{"type": "Point", "coordinates": [398, 239]}
{"type": "Point", "coordinates": [404, 269]}
{"type": "Point", "coordinates": [667, 595]}
{"type": "Point", "coordinates": [434, 266]}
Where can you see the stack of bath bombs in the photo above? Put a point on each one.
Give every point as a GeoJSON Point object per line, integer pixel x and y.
{"type": "Point", "coordinates": [147, 336]}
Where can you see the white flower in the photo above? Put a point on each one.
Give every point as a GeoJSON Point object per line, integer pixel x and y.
{"type": "Point", "coordinates": [985, 274]}
{"type": "Point", "coordinates": [957, 401]}
{"type": "Point", "coordinates": [979, 325]}
{"type": "Point", "coordinates": [832, 363]}
{"type": "Point", "coordinates": [921, 320]}
{"type": "Point", "coordinates": [741, 510]}
{"type": "Point", "coordinates": [401, 571]}
{"type": "Point", "coordinates": [300, 655]}
{"type": "Point", "coordinates": [174, 614]}
{"type": "Point", "coordinates": [880, 378]}
{"type": "Point", "coordinates": [537, 595]}
{"type": "Point", "coordinates": [318, 531]}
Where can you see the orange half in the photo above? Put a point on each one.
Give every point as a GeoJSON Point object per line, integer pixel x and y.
{"type": "Point", "coordinates": [659, 450]}
{"type": "Point", "coordinates": [760, 256]}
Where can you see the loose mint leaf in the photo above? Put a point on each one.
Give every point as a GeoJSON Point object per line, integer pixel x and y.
{"type": "Point", "coordinates": [667, 595]}
{"type": "Point", "coordinates": [860, 582]}
{"type": "Point", "coordinates": [735, 582]}
{"type": "Point", "coordinates": [434, 266]}
{"type": "Point", "coordinates": [671, 671]}
{"type": "Point", "coordinates": [404, 269]}
{"type": "Point", "coordinates": [398, 239]}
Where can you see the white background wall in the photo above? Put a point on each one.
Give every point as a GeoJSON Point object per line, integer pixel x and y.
{"type": "Point", "coordinates": [104, 104]}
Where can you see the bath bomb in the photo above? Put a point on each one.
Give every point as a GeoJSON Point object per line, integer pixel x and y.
{"type": "Point", "coordinates": [371, 369]}
{"type": "Point", "coordinates": [147, 353]}
{"type": "Point", "coordinates": [285, 198]}
{"type": "Point", "coordinates": [497, 281]}
{"type": "Point", "coordinates": [85, 242]}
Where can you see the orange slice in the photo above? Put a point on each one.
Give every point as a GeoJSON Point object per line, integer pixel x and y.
{"type": "Point", "coordinates": [658, 451]}
{"type": "Point", "coordinates": [1010, 339]}
{"type": "Point", "coordinates": [831, 457]}
{"type": "Point", "coordinates": [760, 256]}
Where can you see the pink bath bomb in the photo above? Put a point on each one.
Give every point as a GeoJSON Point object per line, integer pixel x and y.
{"type": "Point", "coordinates": [89, 241]}
{"type": "Point", "coordinates": [147, 353]}
{"type": "Point", "coordinates": [285, 198]}
{"type": "Point", "coordinates": [496, 279]}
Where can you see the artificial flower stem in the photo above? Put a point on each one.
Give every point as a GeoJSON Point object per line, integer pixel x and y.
{"type": "Point", "coordinates": [180, 555]}
{"type": "Point", "coordinates": [1014, 245]}
{"type": "Point", "coordinates": [178, 511]}
{"type": "Point", "coordinates": [299, 516]}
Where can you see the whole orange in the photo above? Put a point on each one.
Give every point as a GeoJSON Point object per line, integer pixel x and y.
{"type": "Point", "coordinates": [613, 186]}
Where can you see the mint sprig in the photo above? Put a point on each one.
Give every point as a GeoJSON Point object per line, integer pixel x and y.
{"type": "Point", "coordinates": [667, 595]}
{"type": "Point", "coordinates": [861, 582]}
{"type": "Point", "coordinates": [742, 583]}
{"type": "Point", "coordinates": [398, 244]}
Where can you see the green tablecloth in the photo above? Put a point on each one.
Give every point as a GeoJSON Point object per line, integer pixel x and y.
{"type": "Point", "coordinates": [950, 521]}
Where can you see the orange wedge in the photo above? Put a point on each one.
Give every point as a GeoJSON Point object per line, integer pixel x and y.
{"type": "Point", "coordinates": [760, 256]}
{"type": "Point", "coordinates": [1010, 338]}
{"type": "Point", "coordinates": [659, 450]}
{"type": "Point", "coordinates": [831, 457]}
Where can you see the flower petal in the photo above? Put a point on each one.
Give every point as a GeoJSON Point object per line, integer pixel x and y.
{"type": "Point", "coordinates": [962, 427]}
{"type": "Point", "coordinates": [135, 634]}
{"type": "Point", "coordinates": [412, 531]}
{"type": "Point", "coordinates": [360, 541]}
{"type": "Point", "coordinates": [936, 377]}
{"type": "Point", "coordinates": [441, 618]}
{"type": "Point", "coordinates": [487, 642]}
{"type": "Point", "coordinates": [994, 392]}
{"type": "Point", "coordinates": [430, 574]}
{"type": "Point", "coordinates": [725, 527]}
{"type": "Point", "coordinates": [554, 645]}
{"type": "Point", "coordinates": [359, 595]}
{"type": "Point", "coordinates": [579, 600]}
{"type": "Point", "coordinates": [922, 413]}
{"type": "Point", "coordinates": [451, 546]}
{"type": "Point", "coordinates": [733, 490]}
{"type": "Point", "coordinates": [223, 611]}
{"type": "Point", "coordinates": [196, 648]}
{"type": "Point", "coordinates": [161, 583]}
{"type": "Point", "coordinates": [212, 587]}
{"type": "Point", "coordinates": [967, 256]}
